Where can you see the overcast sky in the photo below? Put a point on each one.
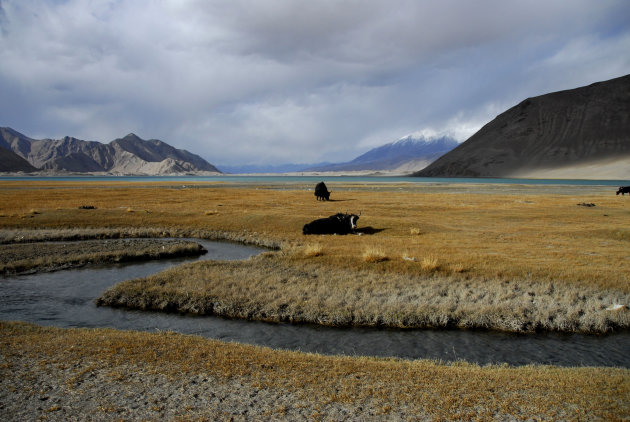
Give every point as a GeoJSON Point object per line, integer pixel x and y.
{"type": "Point", "coordinates": [278, 81]}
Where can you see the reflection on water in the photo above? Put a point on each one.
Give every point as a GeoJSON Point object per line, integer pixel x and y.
{"type": "Point", "coordinates": [66, 299]}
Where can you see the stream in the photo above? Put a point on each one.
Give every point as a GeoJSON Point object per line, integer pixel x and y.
{"type": "Point", "coordinates": [66, 299]}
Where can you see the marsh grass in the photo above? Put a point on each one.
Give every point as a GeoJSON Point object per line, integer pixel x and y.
{"type": "Point", "coordinates": [315, 386]}
{"type": "Point", "coordinates": [270, 289]}
{"type": "Point", "coordinates": [512, 258]}
{"type": "Point", "coordinates": [478, 233]}
{"type": "Point", "coordinates": [22, 257]}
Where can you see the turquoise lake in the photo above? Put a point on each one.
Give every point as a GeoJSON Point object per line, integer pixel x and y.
{"type": "Point", "coordinates": [254, 179]}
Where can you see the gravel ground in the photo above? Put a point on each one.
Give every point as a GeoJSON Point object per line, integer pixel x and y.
{"type": "Point", "coordinates": [40, 389]}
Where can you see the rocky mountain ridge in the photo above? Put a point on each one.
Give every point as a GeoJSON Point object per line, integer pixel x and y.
{"type": "Point", "coordinates": [577, 128]}
{"type": "Point", "coordinates": [130, 155]}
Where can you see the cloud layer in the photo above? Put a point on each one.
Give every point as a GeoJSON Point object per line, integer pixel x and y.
{"type": "Point", "coordinates": [241, 82]}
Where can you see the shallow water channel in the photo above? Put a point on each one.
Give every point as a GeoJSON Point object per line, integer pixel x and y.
{"type": "Point", "coordinates": [66, 299]}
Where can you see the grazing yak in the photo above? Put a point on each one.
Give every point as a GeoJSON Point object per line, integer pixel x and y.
{"type": "Point", "coordinates": [335, 224]}
{"type": "Point", "coordinates": [321, 192]}
{"type": "Point", "coordinates": [623, 190]}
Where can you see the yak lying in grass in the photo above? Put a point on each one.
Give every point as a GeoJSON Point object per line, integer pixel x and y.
{"type": "Point", "coordinates": [335, 224]}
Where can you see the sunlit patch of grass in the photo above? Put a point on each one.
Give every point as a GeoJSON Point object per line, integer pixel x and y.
{"type": "Point", "coordinates": [458, 268]}
{"type": "Point", "coordinates": [429, 263]}
{"type": "Point", "coordinates": [374, 254]}
{"type": "Point", "coordinates": [313, 249]}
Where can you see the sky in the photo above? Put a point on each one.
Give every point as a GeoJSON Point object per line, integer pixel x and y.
{"type": "Point", "coordinates": [278, 81]}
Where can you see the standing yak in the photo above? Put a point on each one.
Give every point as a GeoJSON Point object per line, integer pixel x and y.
{"type": "Point", "coordinates": [623, 190]}
{"type": "Point", "coordinates": [321, 192]}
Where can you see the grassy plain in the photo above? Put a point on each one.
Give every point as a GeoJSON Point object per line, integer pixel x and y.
{"type": "Point", "coordinates": [474, 255]}
{"type": "Point", "coordinates": [507, 257]}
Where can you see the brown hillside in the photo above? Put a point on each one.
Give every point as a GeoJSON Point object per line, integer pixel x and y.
{"type": "Point", "coordinates": [566, 128]}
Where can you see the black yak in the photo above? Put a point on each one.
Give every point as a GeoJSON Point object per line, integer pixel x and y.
{"type": "Point", "coordinates": [335, 224]}
{"type": "Point", "coordinates": [623, 190]}
{"type": "Point", "coordinates": [321, 192]}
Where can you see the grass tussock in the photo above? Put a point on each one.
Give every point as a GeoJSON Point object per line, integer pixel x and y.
{"type": "Point", "coordinates": [429, 263]}
{"type": "Point", "coordinates": [458, 268]}
{"type": "Point", "coordinates": [374, 254]}
{"type": "Point", "coordinates": [314, 249]}
{"type": "Point", "coordinates": [301, 385]}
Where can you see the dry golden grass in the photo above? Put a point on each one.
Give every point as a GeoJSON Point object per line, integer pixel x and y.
{"type": "Point", "coordinates": [374, 254]}
{"type": "Point", "coordinates": [271, 289]}
{"type": "Point", "coordinates": [20, 257]}
{"type": "Point", "coordinates": [506, 232]}
{"type": "Point", "coordinates": [429, 263]}
{"type": "Point", "coordinates": [313, 249]}
{"type": "Point", "coordinates": [373, 388]}
{"type": "Point", "coordinates": [524, 253]}
{"type": "Point", "coordinates": [507, 242]}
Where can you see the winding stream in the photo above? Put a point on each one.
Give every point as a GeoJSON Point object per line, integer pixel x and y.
{"type": "Point", "coordinates": [66, 299]}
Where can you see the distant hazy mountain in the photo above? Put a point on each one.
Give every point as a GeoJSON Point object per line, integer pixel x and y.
{"type": "Point", "coordinates": [586, 128]}
{"type": "Point", "coordinates": [408, 154]}
{"type": "Point", "coordinates": [129, 155]}
{"type": "Point", "coordinates": [252, 168]}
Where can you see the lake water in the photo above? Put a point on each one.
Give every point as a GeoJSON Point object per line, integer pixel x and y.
{"type": "Point", "coordinates": [66, 299]}
{"type": "Point", "coordinates": [255, 179]}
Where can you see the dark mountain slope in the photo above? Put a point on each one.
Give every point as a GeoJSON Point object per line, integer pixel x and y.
{"type": "Point", "coordinates": [564, 128]}
{"type": "Point", "coordinates": [11, 162]}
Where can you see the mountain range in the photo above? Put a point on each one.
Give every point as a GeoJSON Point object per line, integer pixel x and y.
{"type": "Point", "coordinates": [405, 155]}
{"type": "Point", "coordinates": [577, 133]}
{"type": "Point", "coordinates": [130, 155]}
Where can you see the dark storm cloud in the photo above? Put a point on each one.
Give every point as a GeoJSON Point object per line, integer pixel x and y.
{"type": "Point", "coordinates": [277, 81]}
